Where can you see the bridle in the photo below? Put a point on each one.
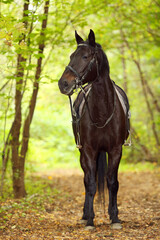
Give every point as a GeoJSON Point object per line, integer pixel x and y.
{"type": "Point", "coordinates": [79, 82]}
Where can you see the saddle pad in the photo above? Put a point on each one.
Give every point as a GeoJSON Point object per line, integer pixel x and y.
{"type": "Point", "coordinates": [123, 100]}
{"type": "Point", "coordinates": [80, 101]}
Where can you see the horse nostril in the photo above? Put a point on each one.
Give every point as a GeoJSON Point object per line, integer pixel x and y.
{"type": "Point", "coordinates": [65, 83]}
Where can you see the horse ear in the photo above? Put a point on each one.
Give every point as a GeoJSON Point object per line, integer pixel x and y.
{"type": "Point", "coordinates": [78, 38]}
{"type": "Point", "coordinates": [91, 38]}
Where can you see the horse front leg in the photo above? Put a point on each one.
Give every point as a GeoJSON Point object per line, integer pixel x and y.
{"type": "Point", "coordinates": [113, 163]}
{"type": "Point", "coordinates": [89, 167]}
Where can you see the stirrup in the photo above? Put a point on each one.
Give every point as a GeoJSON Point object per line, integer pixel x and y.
{"type": "Point", "coordinates": [129, 144]}
{"type": "Point", "coordinates": [79, 146]}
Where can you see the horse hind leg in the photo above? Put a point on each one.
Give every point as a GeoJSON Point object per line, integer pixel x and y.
{"type": "Point", "coordinates": [112, 182]}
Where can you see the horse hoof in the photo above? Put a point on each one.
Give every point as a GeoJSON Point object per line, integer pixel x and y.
{"type": "Point", "coordinates": [116, 226]}
{"type": "Point", "coordinates": [89, 228]}
{"type": "Point", "coordinates": [83, 221]}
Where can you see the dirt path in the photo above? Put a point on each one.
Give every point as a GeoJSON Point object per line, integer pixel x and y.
{"type": "Point", "coordinates": [139, 209]}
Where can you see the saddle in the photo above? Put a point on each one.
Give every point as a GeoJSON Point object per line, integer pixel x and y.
{"type": "Point", "coordinates": [125, 104]}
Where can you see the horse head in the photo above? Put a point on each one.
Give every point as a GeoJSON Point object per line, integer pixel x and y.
{"type": "Point", "coordinates": [82, 67]}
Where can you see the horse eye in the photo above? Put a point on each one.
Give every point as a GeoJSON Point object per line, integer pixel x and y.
{"type": "Point", "coordinates": [84, 57]}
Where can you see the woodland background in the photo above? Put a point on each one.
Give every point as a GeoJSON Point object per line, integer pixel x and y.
{"type": "Point", "coordinates": [36, 39]}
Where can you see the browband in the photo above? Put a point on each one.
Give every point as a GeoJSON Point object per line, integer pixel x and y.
{"type": "Point", "coordinates": [83, 44]}
{"type": "Point", "coordinates": [87, 45]}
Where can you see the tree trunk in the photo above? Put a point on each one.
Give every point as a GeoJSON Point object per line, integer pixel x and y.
{"type": "Point", "coordinates": [18, 155]}
{"type": "Point", "coordinates": [143, 149]}
{"type": "Point", "coordinates": [17, 166]}
{"type": "Point", "coordinates": [148, 103]}
{"type": "Point", "coordinates": [32, 105]}
{"type": "Point", "coordinates": [144, 89]}
{"type": "Point", "coordinates": [154, 99]}
{"type": "Point", "coordinates": [125, 85]}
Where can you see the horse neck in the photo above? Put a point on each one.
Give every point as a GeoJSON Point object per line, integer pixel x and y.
{"type": "Point", "coordinates": [103, 96]}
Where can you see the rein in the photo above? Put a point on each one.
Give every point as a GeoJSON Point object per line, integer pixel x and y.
{"type": "Point", "coordinates": [108, 119]}
{"type": "Point", "coordinates": [79, 84]}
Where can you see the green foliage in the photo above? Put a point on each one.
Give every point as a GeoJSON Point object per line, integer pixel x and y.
{"type": "Point", "coordinates": [11, 32]}
{"type": "Point", "coordinates": [126, 30]}
{"type": "Point", "coordinates": [36, 187]}
{"type": "Point", "coordinates": [52, 142]}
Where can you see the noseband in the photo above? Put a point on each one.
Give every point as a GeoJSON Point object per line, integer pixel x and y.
{"type": "Point", "coordinates": [80, 79]}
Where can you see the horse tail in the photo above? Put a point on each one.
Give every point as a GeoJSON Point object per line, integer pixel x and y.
{"type": "Point", "coordinates": [102, 175]}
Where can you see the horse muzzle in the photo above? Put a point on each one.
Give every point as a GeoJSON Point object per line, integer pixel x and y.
{"type": "Point", "coordinates": [66, 87]}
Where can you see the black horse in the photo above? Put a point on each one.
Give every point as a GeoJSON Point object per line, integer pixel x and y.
{"type": "Point", "coordinates": [100, 122]}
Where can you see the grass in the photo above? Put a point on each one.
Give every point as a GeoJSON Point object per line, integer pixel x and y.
{"type": "Point", "coordinates": [141, 166]}
{"type": "Point", "coordinates": [36, 186]}
{"type": "Point", "coordinates": [42, 158]}
{"type": "Point", "coordinates": [50, 166]}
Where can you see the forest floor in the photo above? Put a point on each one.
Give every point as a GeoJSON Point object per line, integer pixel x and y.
{"type": "Point", "coordinates": [54, 213]}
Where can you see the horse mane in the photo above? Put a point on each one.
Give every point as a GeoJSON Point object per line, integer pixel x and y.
{"type": "Point", "coordinates": [102, 58]}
